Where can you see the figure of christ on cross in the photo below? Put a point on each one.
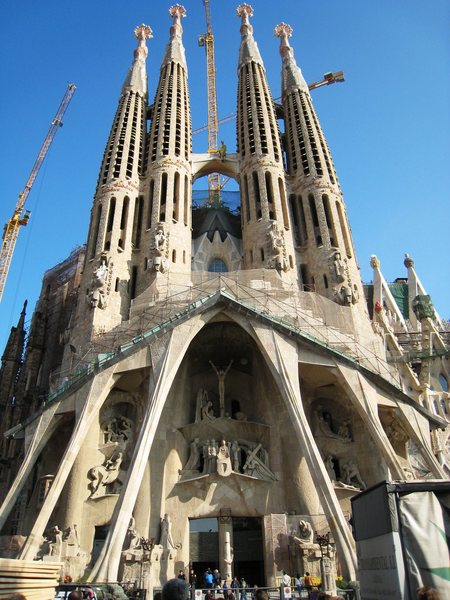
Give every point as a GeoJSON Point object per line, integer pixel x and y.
{"type": "Point", "coordinates": [221, 374]}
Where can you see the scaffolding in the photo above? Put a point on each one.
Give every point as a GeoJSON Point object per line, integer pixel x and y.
{"type": "Point", "coordinates": [168, 302]}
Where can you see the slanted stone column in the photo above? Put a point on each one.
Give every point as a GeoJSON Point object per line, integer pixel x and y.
{"type": "Point", "coordinates": [95, 393]}
{"type": "Point", "coordinates": [282, 358]}
{"type": "Point", "coordinates": [44, 428]}
{"type": "Point", "coordinates": [167, 355]}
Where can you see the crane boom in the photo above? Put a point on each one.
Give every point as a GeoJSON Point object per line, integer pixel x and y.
{"type": "Point", "coordinates": [21, 217]}
{"type": "Point", "coordinates": [328, 79]}
{"type": "Point", "coordinates": [207, 40]}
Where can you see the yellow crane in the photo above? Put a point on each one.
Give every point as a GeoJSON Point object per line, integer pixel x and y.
{"type": "Point", "coordinates": [207, 40]}
{"type": "Point", "coordinates": [20, 216]}
{"type": "Point", "coordinates": [328, 79]}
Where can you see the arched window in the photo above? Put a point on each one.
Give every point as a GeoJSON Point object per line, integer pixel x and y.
{"type": "Point", "coordinates": [217, 266]}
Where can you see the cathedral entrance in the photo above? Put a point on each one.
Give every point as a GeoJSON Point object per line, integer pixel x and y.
{"type": "Point", "coordinates": [212, 542]}
{"type": "Point", "coordinates": [248, 550]}
{"type": "Point", "coordinates": [203, 547]}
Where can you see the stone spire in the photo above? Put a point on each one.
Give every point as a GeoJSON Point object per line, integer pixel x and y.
{"type": "Point", "coordinates": [248, 51]}
{"type": "Point", "coordinates": [113, 231]}
{"type": "Point", "coordinates": [266, 234]}
{"type": "Point", "coordinates": [12, 358]}
{"type": "Point", "coordinates": [136, 80]}
{"type": "Point", "coordinates": [123, 155]}
{"type": "Point", "coordinates": [166, 214]}
{"type": "Point", "coordinates": [323, 242]}
{"type": "Point", "coordinates": [175, 49]}
{"type": "Point", "coordinates": [291, 75]}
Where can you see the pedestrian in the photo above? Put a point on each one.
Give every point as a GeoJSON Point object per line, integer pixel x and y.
{"type": "Point", "coordinates": [243, 589]}
{"type": "Point", "coordinates": [181, 575]}
{"type": "Point", "coordinates": [217, 578]}
{"type": "Point", "coordinates": [286, 579]}
{"type": "Point", "coordinates": [235, 586]}
{"type": "Point", "coordinates": [175, 589]}
{"type": "Point", "coordinates": [192, 579]}
{"type": "Point", "coordinates": [308, 581]}
{"type": "Point", "coordinates": [209, 580]}
{"type": "Point", "coordinates": [298, 584]}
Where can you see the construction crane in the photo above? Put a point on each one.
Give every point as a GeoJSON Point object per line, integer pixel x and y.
{"type": "Point", "coordinates": [207, 40]}
{"type": "Point", "coordinates": [328, 79]}
{"type": "Point", "coordinates": [20, 216]}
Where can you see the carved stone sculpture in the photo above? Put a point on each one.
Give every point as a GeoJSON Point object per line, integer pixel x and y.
{"type": "Point", "coordinates": [223, 460]}
{"type": "Point", "coordinates": [329, 465]}
{"type": "Point", "coordinates": [277, 250]}
{"type": "Point", "coordinates": [55, 543]}
{"type": "Point", "coordinates": [159, 249]}
{"type": "Point", "coordinates": [104, 475]}
{"type": "Point", "coordinates": [221, 374]}
{"type": "Point", "coordinates": [351, 475]}
{"type": "Point", "coordinates": [165, 540]}
{"type": "Point", "coordinates": [97, 296]}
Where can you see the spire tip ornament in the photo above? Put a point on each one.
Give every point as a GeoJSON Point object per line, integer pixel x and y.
{"type": "Point", "coordinates": [244, 10]}
{"type": "Point", "coordinates": [177, 10]}
{"type": "Point", "coordinates": [143, 32]}
{"type": "Point", "coordinates": [283, 29]}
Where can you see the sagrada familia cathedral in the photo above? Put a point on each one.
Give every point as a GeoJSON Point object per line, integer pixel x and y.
{"type": "Point", "coordinates": [192, 363]}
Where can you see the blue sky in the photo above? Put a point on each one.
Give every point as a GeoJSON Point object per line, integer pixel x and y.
{"type": "Point", "coordinates": [388, 125]}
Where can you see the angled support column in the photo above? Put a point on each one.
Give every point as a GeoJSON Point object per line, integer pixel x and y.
{"type": "Point", "coordinates": [417, 435]}
{"type": "Point", "coordinates": [161, 379]}
{"type": "Point", "coordinates": [44, 429]}
{"type": "Point", "coordinates": [94, 393]}
{"type": "Point", "coordinates": [364, 399]}
{"type": "Point", "coordinates": [282, 358]}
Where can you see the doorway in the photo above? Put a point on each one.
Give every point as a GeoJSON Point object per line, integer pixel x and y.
{"type": "Point", "coordinates": [248, 560]}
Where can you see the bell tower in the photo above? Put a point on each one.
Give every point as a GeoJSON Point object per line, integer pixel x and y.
{"type": "Point", "coordinates": [166, 226]}
{"type": "Point", "coordinates": [266, 228]}
{"type": "Point", "coordinates": [325, 250]}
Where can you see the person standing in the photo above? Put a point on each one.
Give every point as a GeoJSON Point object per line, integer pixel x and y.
{"type": "Point", "coordinates": [286, 579]}
{"type": "Point", "coordinates": [308, 580]}
{"type": "Point", "coordinates": [235, 587]}
{"type": "Point", "coordinates": [243, 589]}
{"type": "Point", "coordinates": [298, 585]}
{"type": "Point", "coordinates": [209, 580]}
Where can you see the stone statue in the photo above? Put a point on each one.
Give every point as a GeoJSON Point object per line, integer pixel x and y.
{"type": "Point", "coordinates": [159, 249]}
{"type": "Point", "coordinates": [207, 411]}
{"type": "Point", "coordinates": [344, 295]}
{"type": "Point", "coordinates": [329, 465]}
{"type": "Point", "coordinates": [344, 430]}
{"type": "Point", "coordinates": [305, 533]}
{"type": "Point", "coordinates": [72, 540]}
{"type": "Point", "coordinates": [104, 475]}
{"type": "Point", "coordinates": [118, 430]}
{"type": "Point", "coordinates": [277, 249]}
{"type": "Point", "coordinates": [236, 456]}
{"type": "Point", "coordinates": [211, 457]}
{"type": "Point", "coordinates": [351, 475]}
{"type": "Point", "coordinates": [165, 539]}
{"type": "Point", "coordinates": [133, 540]}
{"type": "Point", "coordinates": [97, 297]}
{"type": "Point", "coordinates": [337, 266]}
{"type": "Point", "coordinates": [55, 543]}
{"type": "Point", "coordinates": [194, 459]}
{"type": "Point", "coordinates": [223, 460]}
{"type": "Point", "coordinates": [255, 467]}
{"type": "Point", "coordinates": [221, 374]}
{"type": "Point", "coordinates": [202, 398]}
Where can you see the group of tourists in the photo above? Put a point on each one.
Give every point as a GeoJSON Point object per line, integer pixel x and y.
{"type": "Point", "coordinates": [213, 583]}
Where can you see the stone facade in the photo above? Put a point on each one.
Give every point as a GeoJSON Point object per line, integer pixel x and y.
{"type": "Point", "coordinates": [155, 392]}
